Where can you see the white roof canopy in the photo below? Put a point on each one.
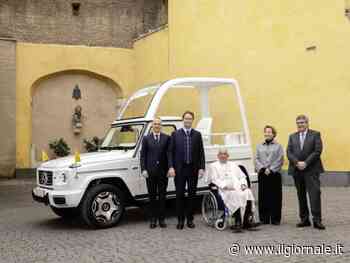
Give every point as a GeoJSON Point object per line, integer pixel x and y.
{"type": "Point", "coordinates": [202, 84]}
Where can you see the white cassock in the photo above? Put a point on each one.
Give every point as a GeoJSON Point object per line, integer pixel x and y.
{"type": "Point", "coordinates": [230, 175]}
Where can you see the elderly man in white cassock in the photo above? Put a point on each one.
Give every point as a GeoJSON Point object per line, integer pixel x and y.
{"type": "Point", "coordinates": [233, 189]}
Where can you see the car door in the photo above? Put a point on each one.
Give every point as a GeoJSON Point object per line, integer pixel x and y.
{"type": "Point", "coordinates": [168, 129]}
{"type": "Point", "coordinates": [135, 168]}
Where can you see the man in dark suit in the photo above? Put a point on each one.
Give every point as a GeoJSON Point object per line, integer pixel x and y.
{"type": "Point", "coordinates": [187, 163]}
{"type": "Point", "coordinates": [154, 167]}
{"type": "Point", "coordinates": [304, 151]}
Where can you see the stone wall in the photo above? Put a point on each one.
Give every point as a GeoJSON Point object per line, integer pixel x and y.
{"type": "Point", "coordinates": [7, 107]}
{"type": "Point", "coordinates": [97, 22]}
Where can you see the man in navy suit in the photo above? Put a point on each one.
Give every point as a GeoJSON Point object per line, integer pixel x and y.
{"type": "Point", "coordinates": [304, 154]}
{"type": "Point", "coordinates": [187, 163]}
{"type": "Point", "coordinates": [154, 167]}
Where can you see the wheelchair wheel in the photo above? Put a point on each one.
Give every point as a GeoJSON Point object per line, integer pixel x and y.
{"type": "Point", "coordinates": [209, 209]}
{"type": "Point", "coordinates": [220, 224]}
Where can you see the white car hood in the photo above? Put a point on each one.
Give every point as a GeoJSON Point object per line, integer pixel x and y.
{"type": "Point", "coordinates": [87, 158]}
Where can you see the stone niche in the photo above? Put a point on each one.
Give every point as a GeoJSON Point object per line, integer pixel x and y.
{"type": "Point", "coordinates": [54, 103]}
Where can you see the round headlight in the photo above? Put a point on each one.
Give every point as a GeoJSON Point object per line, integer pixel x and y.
{"type": "Point", "coordinates": [61, 178]}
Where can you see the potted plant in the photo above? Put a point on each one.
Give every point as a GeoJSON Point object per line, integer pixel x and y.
{"type": "Point", "coordinates": [59, 147]}
{"type": "Point", "coordinates": [92, 145]}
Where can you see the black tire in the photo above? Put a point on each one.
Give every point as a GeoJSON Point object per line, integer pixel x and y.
{"type": "Point", "coordinates": [66, 213]}
{"type": "Point", "coordinates": [102, 206]}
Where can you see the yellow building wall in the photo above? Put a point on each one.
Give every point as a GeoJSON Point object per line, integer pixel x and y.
{"type": "Point", "coordinates": [263, 44]}
{"type": "Point", "coordinates": [152, 66]}
{"type": "Point", "coordinates": [35, 61]}
{"type": "Point", "coordinates": [152, 58]}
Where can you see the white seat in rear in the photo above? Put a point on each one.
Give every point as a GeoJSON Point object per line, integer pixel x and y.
{"type": "Point", "coordinates": [234, 138]}
{"type": "Point", "coordinates": [204, 127]}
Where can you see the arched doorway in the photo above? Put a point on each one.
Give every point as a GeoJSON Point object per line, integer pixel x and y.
{"type": "Point", "coordinates": [54, 100]}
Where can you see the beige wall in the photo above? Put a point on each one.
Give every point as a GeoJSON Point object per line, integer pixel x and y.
{"type": "Point", "coordinates": [53, 107]}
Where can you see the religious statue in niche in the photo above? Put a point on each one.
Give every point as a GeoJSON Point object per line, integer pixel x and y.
{"type": "Point", "coordinates": [76, 92]}
{"type": "Point", "coordinates": [77, 120]}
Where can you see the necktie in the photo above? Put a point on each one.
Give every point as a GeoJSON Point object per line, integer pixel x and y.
{"type": "Point", "coordinates": [157, 138]}
{"type": "Point", "coordinates": [302, 140]}
{"type": "Point", "coordinates": [188, 147]}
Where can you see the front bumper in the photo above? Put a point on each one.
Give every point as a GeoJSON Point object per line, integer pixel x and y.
{"type": "Point", "coordinates": [40, 199]}
{"type": "Point", "coordinates": [59, 199]}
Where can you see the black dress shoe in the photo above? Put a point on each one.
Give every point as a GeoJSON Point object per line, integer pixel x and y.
{"type": "Point", "coordinates": [319, 225]}
{"type": "Point", "coordinates": [162, 224]}
{"type": "Point", "coordinates": [237, 228]}
{"type": "Point", "coordinates": [153, 223]}
{"type": "Point", "coordinates": [180, 225]}
{"type": "Point", "coordinates": [276, 223]}
{"type": "Point", "coordinates": [190, 224]}
{"type": "Point", "coordinates": [304, 224]}
{"type": "Point", "coordinates": [251, 225]}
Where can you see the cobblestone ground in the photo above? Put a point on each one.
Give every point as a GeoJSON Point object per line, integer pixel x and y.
{"type": "Point", "coordinates": [30, 232]}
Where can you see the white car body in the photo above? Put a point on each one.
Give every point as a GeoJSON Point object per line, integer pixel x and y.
{"type": "Point", "coordinates": [70, 181]}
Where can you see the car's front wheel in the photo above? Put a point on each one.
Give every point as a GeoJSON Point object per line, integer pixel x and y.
{"type": "Point", "coordinates": [103, 206]}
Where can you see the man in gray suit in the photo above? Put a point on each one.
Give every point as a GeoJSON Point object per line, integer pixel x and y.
{"type": "Point", "coordinates": [304, 152]}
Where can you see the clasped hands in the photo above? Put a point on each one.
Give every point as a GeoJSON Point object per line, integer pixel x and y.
{"type": "Point", "coordinates": [243, 187]}
{"type": "Point", "coordinates": [266, 171]}
{"type": "Point", "coordinates": [301, 165]}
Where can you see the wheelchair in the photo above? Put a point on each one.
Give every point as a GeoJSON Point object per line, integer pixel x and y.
{"type": "Point", "coordinates": [214, 211]}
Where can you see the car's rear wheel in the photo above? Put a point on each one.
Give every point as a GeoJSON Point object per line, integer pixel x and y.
{"type": "Point", "coordinates": [103, 206]}
{"type": "Point", "coordinates": [66, 213]}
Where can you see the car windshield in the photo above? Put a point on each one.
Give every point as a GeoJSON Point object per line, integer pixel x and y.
{"type": "Point", "coordinates": [139, 103]}
{"type": "Point", "coordinates": [123, 137]}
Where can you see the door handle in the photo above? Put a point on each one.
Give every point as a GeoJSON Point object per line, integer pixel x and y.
{"type": "Point", "coordinates": [135, 168]}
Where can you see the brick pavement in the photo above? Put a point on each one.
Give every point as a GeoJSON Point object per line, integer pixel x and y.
{"type": "Point", "coordinates": [30, 232]}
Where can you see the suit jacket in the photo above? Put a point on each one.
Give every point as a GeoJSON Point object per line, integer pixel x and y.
{"type": "Point", "coordinates": [310, 154]}
{"type": "Point", "coordinates": [177, 150]}
{"type": "Point", "coordinates": [154, 155]}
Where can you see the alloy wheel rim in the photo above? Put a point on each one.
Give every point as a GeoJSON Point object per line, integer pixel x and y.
{"type": "Point", "coordinates": [106, 207]}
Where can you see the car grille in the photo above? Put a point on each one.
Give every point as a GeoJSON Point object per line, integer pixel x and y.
{"type": "Point", "coordinates": [45, 177]}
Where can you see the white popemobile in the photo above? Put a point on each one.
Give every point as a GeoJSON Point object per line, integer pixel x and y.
{"type": "Point", "coordinates": [104, 183]}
